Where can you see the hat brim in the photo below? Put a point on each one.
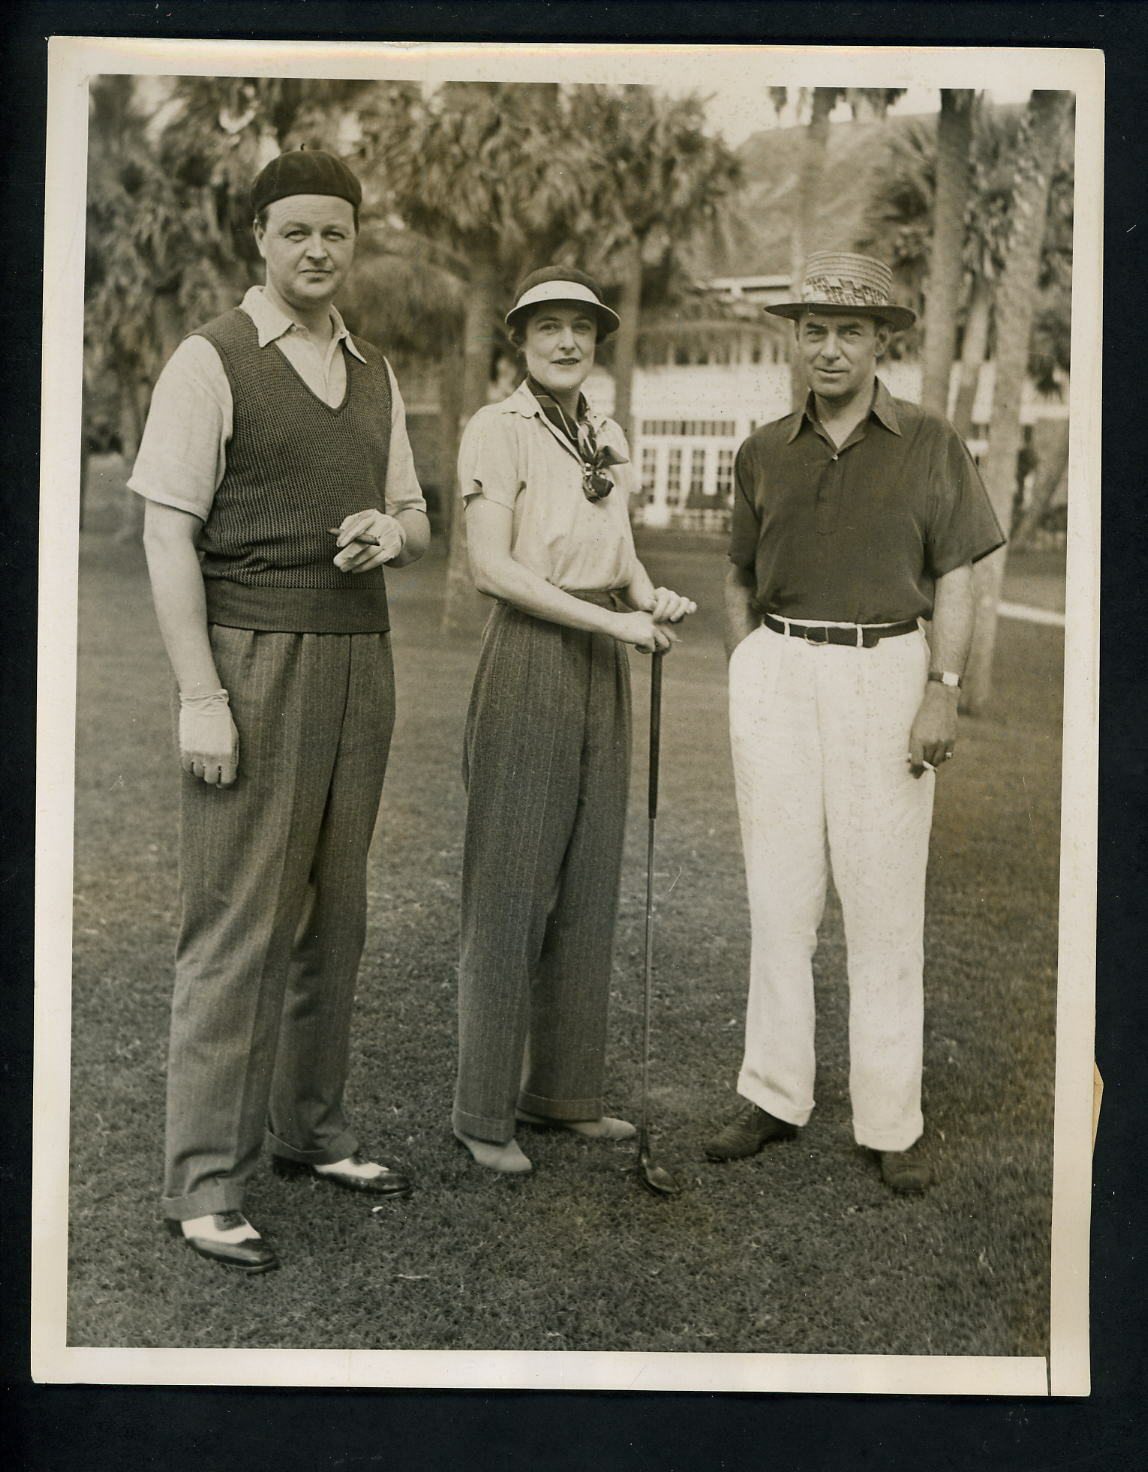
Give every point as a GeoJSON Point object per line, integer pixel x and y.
{"type": "Point", "coordinates": [555, 293]}
{"type": "Point", "coordinates": [898, 318]}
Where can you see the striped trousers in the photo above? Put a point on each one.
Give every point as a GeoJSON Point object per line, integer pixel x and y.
{"type": "Point", "coordinates": [820, 736]}
{"type": "Point", "coordinates": [273, 892]}
{"type": "Point", "coordinates": [546, 766]}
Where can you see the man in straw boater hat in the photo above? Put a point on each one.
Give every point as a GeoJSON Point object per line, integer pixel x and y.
{"type": "Point", "coordinates": [854, 518]}
{"type": "Point", "coordinates": [279, 480]}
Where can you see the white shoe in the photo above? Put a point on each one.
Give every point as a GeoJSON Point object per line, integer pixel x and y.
{"type": "Point", "coordinates": [604, 1128]}
{"type": "Point", "coordinates": [507, 1159]}
{"type": "Point", "coordinates": [224, 1226]}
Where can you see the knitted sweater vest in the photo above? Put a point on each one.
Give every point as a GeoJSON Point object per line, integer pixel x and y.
{"type": "Point", "coordinates": [295, 468]}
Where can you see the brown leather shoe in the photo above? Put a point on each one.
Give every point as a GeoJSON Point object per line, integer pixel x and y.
{"type": "Point", "coordinates": [387, 1182]}
{"type": "Point", "coordinates": [749, 1131]}
{"type": "Point", "coordinates": [906, 1171]}
{"type": "Point", "coordinates": [252, 1255]}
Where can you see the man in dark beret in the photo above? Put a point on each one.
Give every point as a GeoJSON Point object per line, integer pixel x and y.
{"type": "Point", "coordinates": [279, 482]}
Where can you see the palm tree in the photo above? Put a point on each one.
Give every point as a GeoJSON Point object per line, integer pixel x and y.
{"type": "Point", "coordinates": [900, 226]}
{"type": "Point", "coordinates": [132, 265]}
{"type": "Point", "coordinates": [998, 134]}
{"type": "Point", "coordinates": [491, 171]}
{"type": "Point", "coordinates": [1037, 154]}
{"type": "Point", "coordinates": [407, 294]}
{"type": "Point", "coordinates": [950, 202]}
{"type": "Point", "coordinates": [660, 178]}
{"type": "Point", "coordinates": [866, 103]}
{"type": "Point", "coordinates": [169, 231]}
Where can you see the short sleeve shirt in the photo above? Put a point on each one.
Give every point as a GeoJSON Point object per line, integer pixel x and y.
{"type": "Point", "coordinates": [183, 452]}
{"type": "Point", "coordinates": [860, 533]}
{"type": "Point", "coordinates": [511, 454]}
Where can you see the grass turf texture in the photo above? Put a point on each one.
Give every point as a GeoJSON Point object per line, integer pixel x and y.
{"type": "Point", "coordinates": [800, 1249]}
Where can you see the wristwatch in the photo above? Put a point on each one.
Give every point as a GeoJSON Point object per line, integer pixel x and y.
{"type": "Point", "coordinates": [946, 677]}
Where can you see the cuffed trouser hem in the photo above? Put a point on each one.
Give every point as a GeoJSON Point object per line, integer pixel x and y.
{"type": "Point", "coordinates": [774, 1104]}
{"type": "Point", "coordinates": [902, 1139]}
{"type": "Point", "coordinates": [570, 1111]}
{"type": "Point", "coordinates": [224, 1196]}
{"type": "Point", "coordinates": [480, 1127]}
{"type": "Point", "coordinates": [345, 1145]}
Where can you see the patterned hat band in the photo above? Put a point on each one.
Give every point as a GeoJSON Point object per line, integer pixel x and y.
{"type": "Point", "coordinates": [842, 292]}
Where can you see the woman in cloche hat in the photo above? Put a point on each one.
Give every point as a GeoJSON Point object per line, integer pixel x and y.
{"type": "Point", "coordinates": [545, 482]}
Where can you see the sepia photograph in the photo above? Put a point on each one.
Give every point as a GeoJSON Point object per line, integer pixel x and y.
{"type": "Point", "coordinates": [567, 787]}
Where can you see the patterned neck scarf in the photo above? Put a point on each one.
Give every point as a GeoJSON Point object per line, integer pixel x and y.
{"type": "Point", "coordinates": [595, 458]}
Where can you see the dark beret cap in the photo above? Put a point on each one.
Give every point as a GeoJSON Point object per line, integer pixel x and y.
{"type": "Point", "coordinates": [305, 171]}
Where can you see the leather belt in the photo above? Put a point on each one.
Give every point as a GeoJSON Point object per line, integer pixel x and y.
{"type": "Point", "coordinates": [855, 636]}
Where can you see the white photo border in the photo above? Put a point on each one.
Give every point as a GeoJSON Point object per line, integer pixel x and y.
{"type": "Point", "coordinates": [73, 61]}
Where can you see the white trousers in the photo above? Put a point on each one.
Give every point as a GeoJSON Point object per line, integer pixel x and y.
{"type": "Point", "coordinates": [820, 737]}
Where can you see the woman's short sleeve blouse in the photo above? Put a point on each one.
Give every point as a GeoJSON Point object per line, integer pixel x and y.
{"type": "Point", "coordinates": [512, 455]}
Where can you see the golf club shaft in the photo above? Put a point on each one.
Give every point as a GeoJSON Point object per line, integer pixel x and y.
{"type": "Point", "coordinates": [652, 813]}
{"type": "Point", "coordinates": [655, 731]}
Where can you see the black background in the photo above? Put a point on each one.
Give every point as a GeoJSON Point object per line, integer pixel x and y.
{"type": "Point", "coordinates": [57, 1428]}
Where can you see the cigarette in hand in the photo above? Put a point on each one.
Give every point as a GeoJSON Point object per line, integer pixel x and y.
{"type": "Point", "coordinates": [362, 537]}
{"type": "Point", "coordinates": [928, 766]}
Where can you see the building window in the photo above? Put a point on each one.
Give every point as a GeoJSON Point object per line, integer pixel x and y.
{"type": "Point", "coordinates": [724, 485]}
{"type": "Point", "coordinates": [697, 470]}
{"type": "Point", "coordinates": [689, 428]}
{"type": "Point", "coordinates": [674, 473]}
{"type": "Point", "coordinates": [649, 470]}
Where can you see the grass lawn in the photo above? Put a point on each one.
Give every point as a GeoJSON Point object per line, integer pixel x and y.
{"type": "Point", "coordinates": [800, 1249]}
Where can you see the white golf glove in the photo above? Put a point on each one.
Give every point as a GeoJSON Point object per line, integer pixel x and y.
{"type": "Point", "coordinates": [208, 740]}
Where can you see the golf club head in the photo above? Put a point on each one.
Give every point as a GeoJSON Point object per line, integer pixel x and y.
{"type": "Point", "coordinates": [654, 1177]}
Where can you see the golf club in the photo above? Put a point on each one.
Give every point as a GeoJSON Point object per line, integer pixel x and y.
{"type": "Point", "coordinates": [655, 1177]}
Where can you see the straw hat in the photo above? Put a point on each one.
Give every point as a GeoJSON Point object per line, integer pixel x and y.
{"type": "Point", "coordinates": [840, 283]}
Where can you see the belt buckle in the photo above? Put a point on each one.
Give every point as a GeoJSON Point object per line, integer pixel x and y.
{"type": "Point", "coordinates": [813, 629]}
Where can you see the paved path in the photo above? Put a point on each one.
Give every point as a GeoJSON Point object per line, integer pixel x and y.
{"type": "Point", "coordinates": [1031, 615]}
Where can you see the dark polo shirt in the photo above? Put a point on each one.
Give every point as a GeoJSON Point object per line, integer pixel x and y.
{"type": "Point", "coordinates": [859, 534]}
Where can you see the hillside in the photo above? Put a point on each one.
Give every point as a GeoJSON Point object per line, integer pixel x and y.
{"type": "Point", "coordinates": [756, 242]}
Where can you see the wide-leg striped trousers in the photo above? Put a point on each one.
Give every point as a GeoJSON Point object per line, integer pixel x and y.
{"type": "Point", "coordinates": [820, 737]}
{"type": "Point", "coordinates": [546, 765]}
{"type": "Point", "coordinates": [273, 891]}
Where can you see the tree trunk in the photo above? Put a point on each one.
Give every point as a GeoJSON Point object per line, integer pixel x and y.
{"type": "Point", "coordinates": [954, 151]}
{"type": "Point", "coordinates": [973, 351]}
{"type": "Point", "coordinates": [134, 397]}
{"type": "Point", "coordinates": [1037, 151]}
{"type": "Point", "coordinates": [463, 607]}
{"type": "Point", "coordinates": [1049, 474]}
{"type": "Point", "coordinates": [815, 147]}
{"type": "Point", "coordinates": [626, 341]}
{"type": "Point", "coordinates": [450, 431]}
